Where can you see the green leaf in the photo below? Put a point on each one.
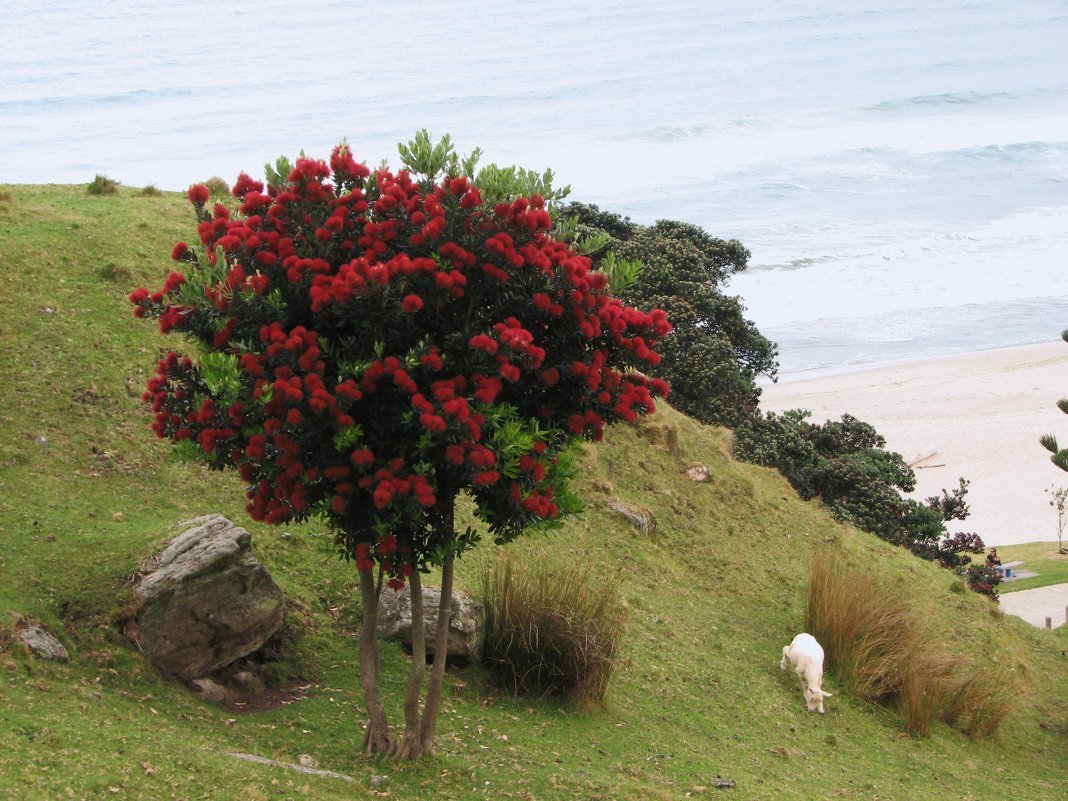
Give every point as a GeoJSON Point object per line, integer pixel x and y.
{"type": "Point", "coordinates": [278, 175]}
{"type": "Point", "coordinates": [621, 273]}
{"type": "Point", "coordinates": [347, 437]}
{"type": "Point", "coordinates": [428, 159]}
{"type": "Point", "coordinates": [220, 374]}
{"type": "Point", "coordinates": [1049, 442]}
{"type": "Point", "coordinates": [1060, 458]}
{"type": "Point", "coordinates": [591, 244]}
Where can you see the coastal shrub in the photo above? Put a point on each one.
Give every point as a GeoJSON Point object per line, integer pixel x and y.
{"type": "Point", "coordinates": [150, 190]}
{"type": "Point", "coordinates": [714, 355]}
{"type": "Point", "coordinates": [983, 579]}
{"type": "Point", "coordinates": [551, 632]}
{"type": "Point", "coordinates": [6, 195]}
{"type": "Point", "coordinates": [845, 464]}
{"type": "Point", "coordinates": [218, 189]}
{"type": "Point", "coordinates": [102, 185]}
{"type": "Point", "coordinates": [880, 650]}
{"type": "Point", "coordinates": [371, 345]}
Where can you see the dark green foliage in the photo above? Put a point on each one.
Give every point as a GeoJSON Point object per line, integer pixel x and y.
{"type": "Point", "coordinates": [102, 185]}
{"type": "Point", "coordinates": [845, 465]}
{"type": "Point", "coordinates": [1058, 455]}
{"type": "Point", "coordinates": [714, 355]}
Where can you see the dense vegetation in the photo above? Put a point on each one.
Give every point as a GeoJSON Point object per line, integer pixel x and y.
{"type": "Point", "coordinates": [711, 597]}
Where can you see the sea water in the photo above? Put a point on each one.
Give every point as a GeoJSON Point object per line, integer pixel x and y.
{"type": "Point", "coordinates": [899, 171]}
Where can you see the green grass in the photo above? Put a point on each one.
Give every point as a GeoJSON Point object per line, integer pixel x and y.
{"type": "Point", "coordinates": [1039, 557]}
{"type": "Point", "coordinates": [86, 492]}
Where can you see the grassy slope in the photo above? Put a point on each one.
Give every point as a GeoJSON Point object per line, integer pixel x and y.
{"type": "Point", "coordinates": [714, 595]}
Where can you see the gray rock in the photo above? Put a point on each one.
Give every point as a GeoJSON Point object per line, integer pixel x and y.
{"type": "Point", "coordinates": [466, 624]}
{"type": "Point", "coordinates": [43, 645]}
{"type": "Point", "coordinates": [208, 603]}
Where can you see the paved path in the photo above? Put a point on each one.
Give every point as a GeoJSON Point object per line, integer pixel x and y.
{"type": "Point", "coordinates": [1035, 606]}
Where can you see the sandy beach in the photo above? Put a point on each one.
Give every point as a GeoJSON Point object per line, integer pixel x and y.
{"type": "Point", "coordinates": [978, 415]}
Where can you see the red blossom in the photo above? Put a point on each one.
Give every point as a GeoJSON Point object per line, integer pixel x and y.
{"type": "Point", "coordinates": [411, 304]}
{"type": "Point", "coordinates": [198, 194]}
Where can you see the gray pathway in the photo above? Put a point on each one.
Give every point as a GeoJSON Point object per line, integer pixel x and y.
{"type": "Point", "coordinates": [1035, 606]}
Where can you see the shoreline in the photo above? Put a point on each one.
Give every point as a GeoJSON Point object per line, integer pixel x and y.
{"type": "Point", "coordinates": [976, 415]}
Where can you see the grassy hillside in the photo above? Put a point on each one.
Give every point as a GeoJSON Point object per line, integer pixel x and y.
{"type": "Point", "coordinates": [86, 492]}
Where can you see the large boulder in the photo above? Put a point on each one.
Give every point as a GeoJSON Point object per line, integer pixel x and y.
{"type": "Point", "coordinates": [467, 623]}
{"type": "Point", "coordinates": [208, 602]}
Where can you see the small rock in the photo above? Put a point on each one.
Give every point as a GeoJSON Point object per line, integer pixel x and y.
{"type": "Point", "coordinates": [378, 782]}
{"type": "Point", "coordinates": [210, 691]}
{"type": "Point", "coordinates": [308, 761]}
{"type": "Point", "coordinates": [247, 680]}
{"type": "Point", "coordinates": [118, 516]}
{"type": "Point", "coordinates": [41, 441]}
{"type": "Point", "coordinates": [700, 473]}
{"type": "Point", "coordinates": [43, 645]}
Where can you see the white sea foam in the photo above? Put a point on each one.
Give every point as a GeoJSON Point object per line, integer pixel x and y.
{"type": "Point", "coordinates": [890, 167]}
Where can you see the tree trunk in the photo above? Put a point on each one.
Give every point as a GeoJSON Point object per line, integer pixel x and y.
{"type": "Point", "coordinates": [410, 746]}
{"type": "Point", "coordinates": [377, 737]}
{"type": "Point", "coordinates": [441, 647]}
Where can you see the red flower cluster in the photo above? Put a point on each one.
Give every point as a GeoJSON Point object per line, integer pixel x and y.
{"type": "Point", "coordinates": [381, 336]}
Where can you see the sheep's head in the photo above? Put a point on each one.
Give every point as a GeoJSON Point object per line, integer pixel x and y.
{"type": "Point", "coordinates": [814, 698]}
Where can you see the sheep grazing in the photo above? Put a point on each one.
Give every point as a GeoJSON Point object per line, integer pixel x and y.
{"type": "Point", "coordinates": [806, 656]}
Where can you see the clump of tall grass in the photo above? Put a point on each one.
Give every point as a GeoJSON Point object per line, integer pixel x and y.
{"type": "Point", "coordinates": [6, 196]}
{"type": "Point", "coordinates": [150, 190]}
{"type": "Point", "coordinates": [980, 701]}
{"type": "Point", "coordinates": [102, 185]}
{"type": "Point", "coordinates": [866, 631]}
{"type": "Point", "coordinates": [878, 648]}
{"type": "Point", "coordinates": [551, 633]}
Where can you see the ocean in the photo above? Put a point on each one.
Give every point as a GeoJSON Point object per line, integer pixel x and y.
{"type": "Point", "coordinates": [899, 171]}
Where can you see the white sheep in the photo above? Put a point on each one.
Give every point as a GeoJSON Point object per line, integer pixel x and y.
{"type": "Point", "coordinates": [806, 656]}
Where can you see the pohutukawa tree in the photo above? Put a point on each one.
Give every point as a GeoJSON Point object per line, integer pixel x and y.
{"type": "Point", "coordinates": [372, 344]}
